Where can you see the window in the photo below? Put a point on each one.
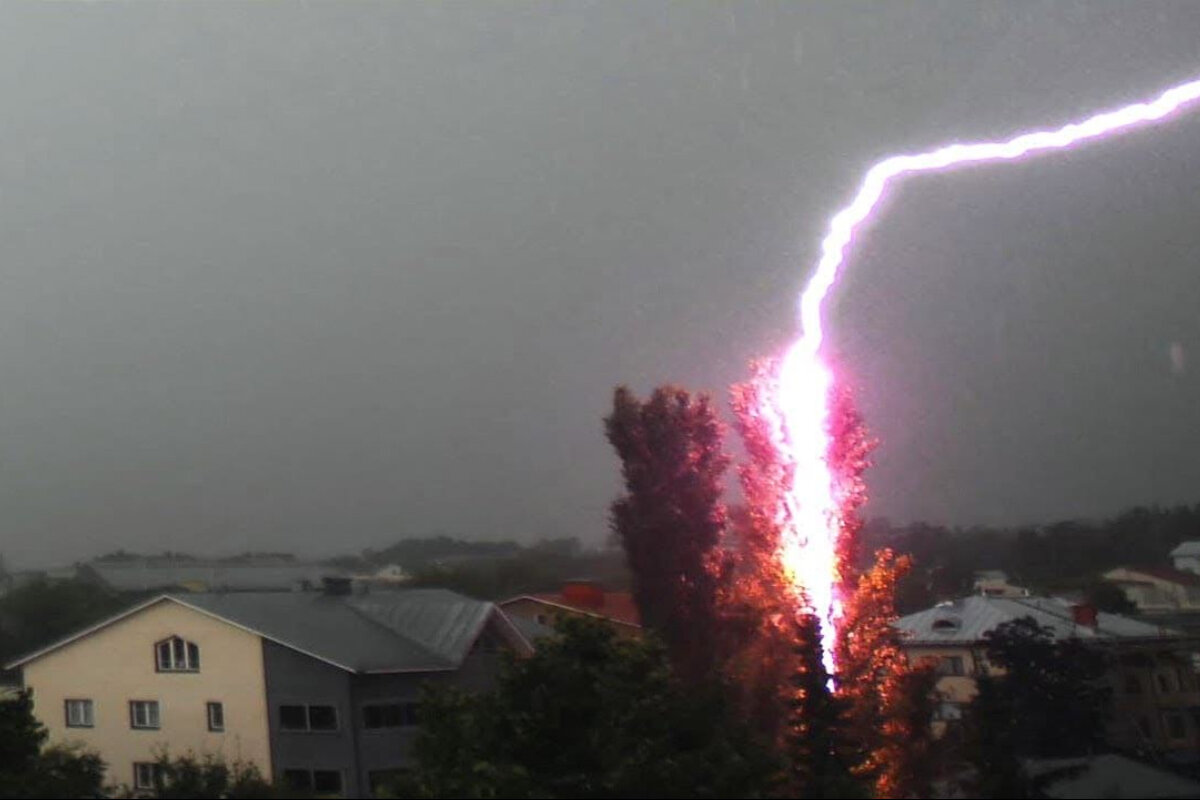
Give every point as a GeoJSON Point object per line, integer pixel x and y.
{"type": "Point", "coordinates": [542, 619]}
{"type": "Point", "coordinates": [299, 780]}
{"type": "Point", "coordinates": [1164, 683]}
{"type": "Point", "coordinates": [143, 714]}
{"type": "Point", "coordinates": [948, 712]}
{"type": "Point", "coordinates": [950, 665]}
{"type": "Point", "coordinates": [327, 781]}
{"type": "Point", "coordinates": [1181, 679]}
{"type": "Point", "coordinates": [1176, 727]}
{"type": "Point", "coordinates": [79, 714]}
{"type": "Point", "coordinates": [176, 655]}
{"type": "Point", "coordinates": [322, 718]}
{"type": "Point", "coordinates": [146, 775]}
{"type": "Point", "coordinates": [308, 718]}
{"type": "Point", "coordinates": [1143, 724]}
{"type": "Point", "coordinates": [216, 717]}
{"type": "Point", "coordinates": [1133, 684]}
{"type": "Point", "coordinates": [317, 781]}
{"type": "Point", "coordinates": [390, 715]}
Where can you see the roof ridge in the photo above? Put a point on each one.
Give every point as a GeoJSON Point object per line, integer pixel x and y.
{"type": "Point", "coordinates": [370, 618]}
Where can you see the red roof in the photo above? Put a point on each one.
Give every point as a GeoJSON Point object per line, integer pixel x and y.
{"type": "Point", "coordinates": [617, 606]}
{"type": "Point", "coordinates": [1169, 574]}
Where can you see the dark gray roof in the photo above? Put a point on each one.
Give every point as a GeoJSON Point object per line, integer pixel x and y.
{"type": "Point", "coordinates": [968, 619]}
{"type": "Point", "coordinates": [411, 630]}
{"type": "Point", "coordinates": [141, 577]}
{"type": "Point", "coordinates": [1112, 775]}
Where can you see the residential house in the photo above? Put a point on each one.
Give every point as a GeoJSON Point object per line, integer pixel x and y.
{"type": "Point", "coordinates": [578, 598]}
{"type": "Point", "coordinates": [319, 689]}
{"type": "Point", "coordinates": [1154, 683]}
{"type": "Point", "coordinates": [994, 583]}
{"type": "Point", "coordinates": [1186, 557]}
{"type": "Point", "coordinates": [1158, 589]}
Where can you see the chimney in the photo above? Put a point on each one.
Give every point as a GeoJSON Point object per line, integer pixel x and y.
{"type": "Point", "coordinates": [583, 594]}
{"type": "Point", "coordinates": [335, 586]}
{"type": "Point", "coordinates": [1084, 614]}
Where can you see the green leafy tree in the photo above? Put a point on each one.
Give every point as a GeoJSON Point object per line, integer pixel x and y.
{"type": "Point", "coordinates": [1109, 597]}
{"type": "Point", "coordinates": [671, 519]}
{"type": "Point", "coordinates": [210, 776]}
{"type": "Point", "coordinates": [819, 758]}
{"type": "Point", "coordinates": [29, 771]}
{"type": "Point", "coordinates": [1048, 702]}
{"type": "Point", "coordinates": [589, 715]}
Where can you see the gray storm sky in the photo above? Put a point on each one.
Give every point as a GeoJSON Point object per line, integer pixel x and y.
{"type": "Point", "coordinates": [318, 276]}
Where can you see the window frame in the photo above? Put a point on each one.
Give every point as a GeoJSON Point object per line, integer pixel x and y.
{"type": "Point", "coordinates": [404, 710]}
{"type": "Point", "coordinates": [308, 726]}
{"type": "Point", "coordinates": [155, 774]}
{"type": "Point", "coordinates": [1171, 717]}
{"type": "Point", "coordinates": [341, 783]}
{"type": "Point", "coordinates": [953, 666]}
{"type": "Point", "coordinates": [309, 781]}
{"type": "Point", "coordinates": [209, 708]}
{"type": "Point", "coordinates": [182, 655]}
{"type": "Point", "coordinates": [155, 724]}
{"type": "Point", "coordinates": [84, 703]}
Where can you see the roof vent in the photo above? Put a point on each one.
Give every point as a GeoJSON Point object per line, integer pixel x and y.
{"type": "Point", "coordinates": [946, 625]}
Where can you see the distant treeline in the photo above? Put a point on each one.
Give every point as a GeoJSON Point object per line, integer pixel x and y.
{"type": "Point", "coordinates": [1044, 558]}
{"type": "Point", "coordinates": [175, 557]}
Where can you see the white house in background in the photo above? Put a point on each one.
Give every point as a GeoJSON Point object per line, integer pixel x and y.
{"type": "Point", "coordinates": [994, 583]}
{"type": "Point", "coordinates": [1186, 556]}
{"type": "Point", "coordinates": [1158, 590]}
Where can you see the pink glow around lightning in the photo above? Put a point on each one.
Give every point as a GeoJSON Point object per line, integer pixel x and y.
{"type": "Point", "coordinates": [812, 522]}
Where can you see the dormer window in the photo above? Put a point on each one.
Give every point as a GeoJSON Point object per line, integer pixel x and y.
{"type": "Point", "coordinates": [177, 655]}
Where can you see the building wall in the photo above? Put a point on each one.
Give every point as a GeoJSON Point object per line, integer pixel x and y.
{"type": "Point", "coordinates": [117, 664]}
{"type": "Point", "coordinates": [293, 678]}
{"type": "Point", "coordinates": [1149, 687]}
{"type": "Point", "coordinates": [385, 749]}
{"type": "Point", "coordinates": [548, 614]}
{"type": "Point", "coordinates": [354, 750]}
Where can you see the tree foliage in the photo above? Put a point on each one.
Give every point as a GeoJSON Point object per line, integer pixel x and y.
{"type": "Point", "coordinates": [589, 715]}
{"type": "Point", "coordinates": [210, 776]}
{"type": "Point", "coordinates": [888, 703]}
{"type": "Point", "coordinates": [1048, 701]}
{"type": "Point", "coordinates": [30, 770]}
{"type": "Point", "coordinates": [671, 520]}
{"type": "Point", "coordinates": [43, 611]}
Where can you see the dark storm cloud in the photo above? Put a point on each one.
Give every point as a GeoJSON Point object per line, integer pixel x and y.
{"type": "Point", "coordinates": [316, 276]}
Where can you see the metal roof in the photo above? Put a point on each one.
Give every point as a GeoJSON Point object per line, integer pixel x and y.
{"type": "Point", "coordinates": [968, 619]}
{"type": "Point", "coordinates": [414, 630]}
{"type": "Point", "coordinates": [1112, 775]}
{"type": "Point", "coordinates": [141, 577]}
{"type": "Point", "coordinates": [1191, 548]}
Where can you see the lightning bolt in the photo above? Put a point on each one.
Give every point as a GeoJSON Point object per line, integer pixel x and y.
{"type": "Point", "coordinates": [809, 543]}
